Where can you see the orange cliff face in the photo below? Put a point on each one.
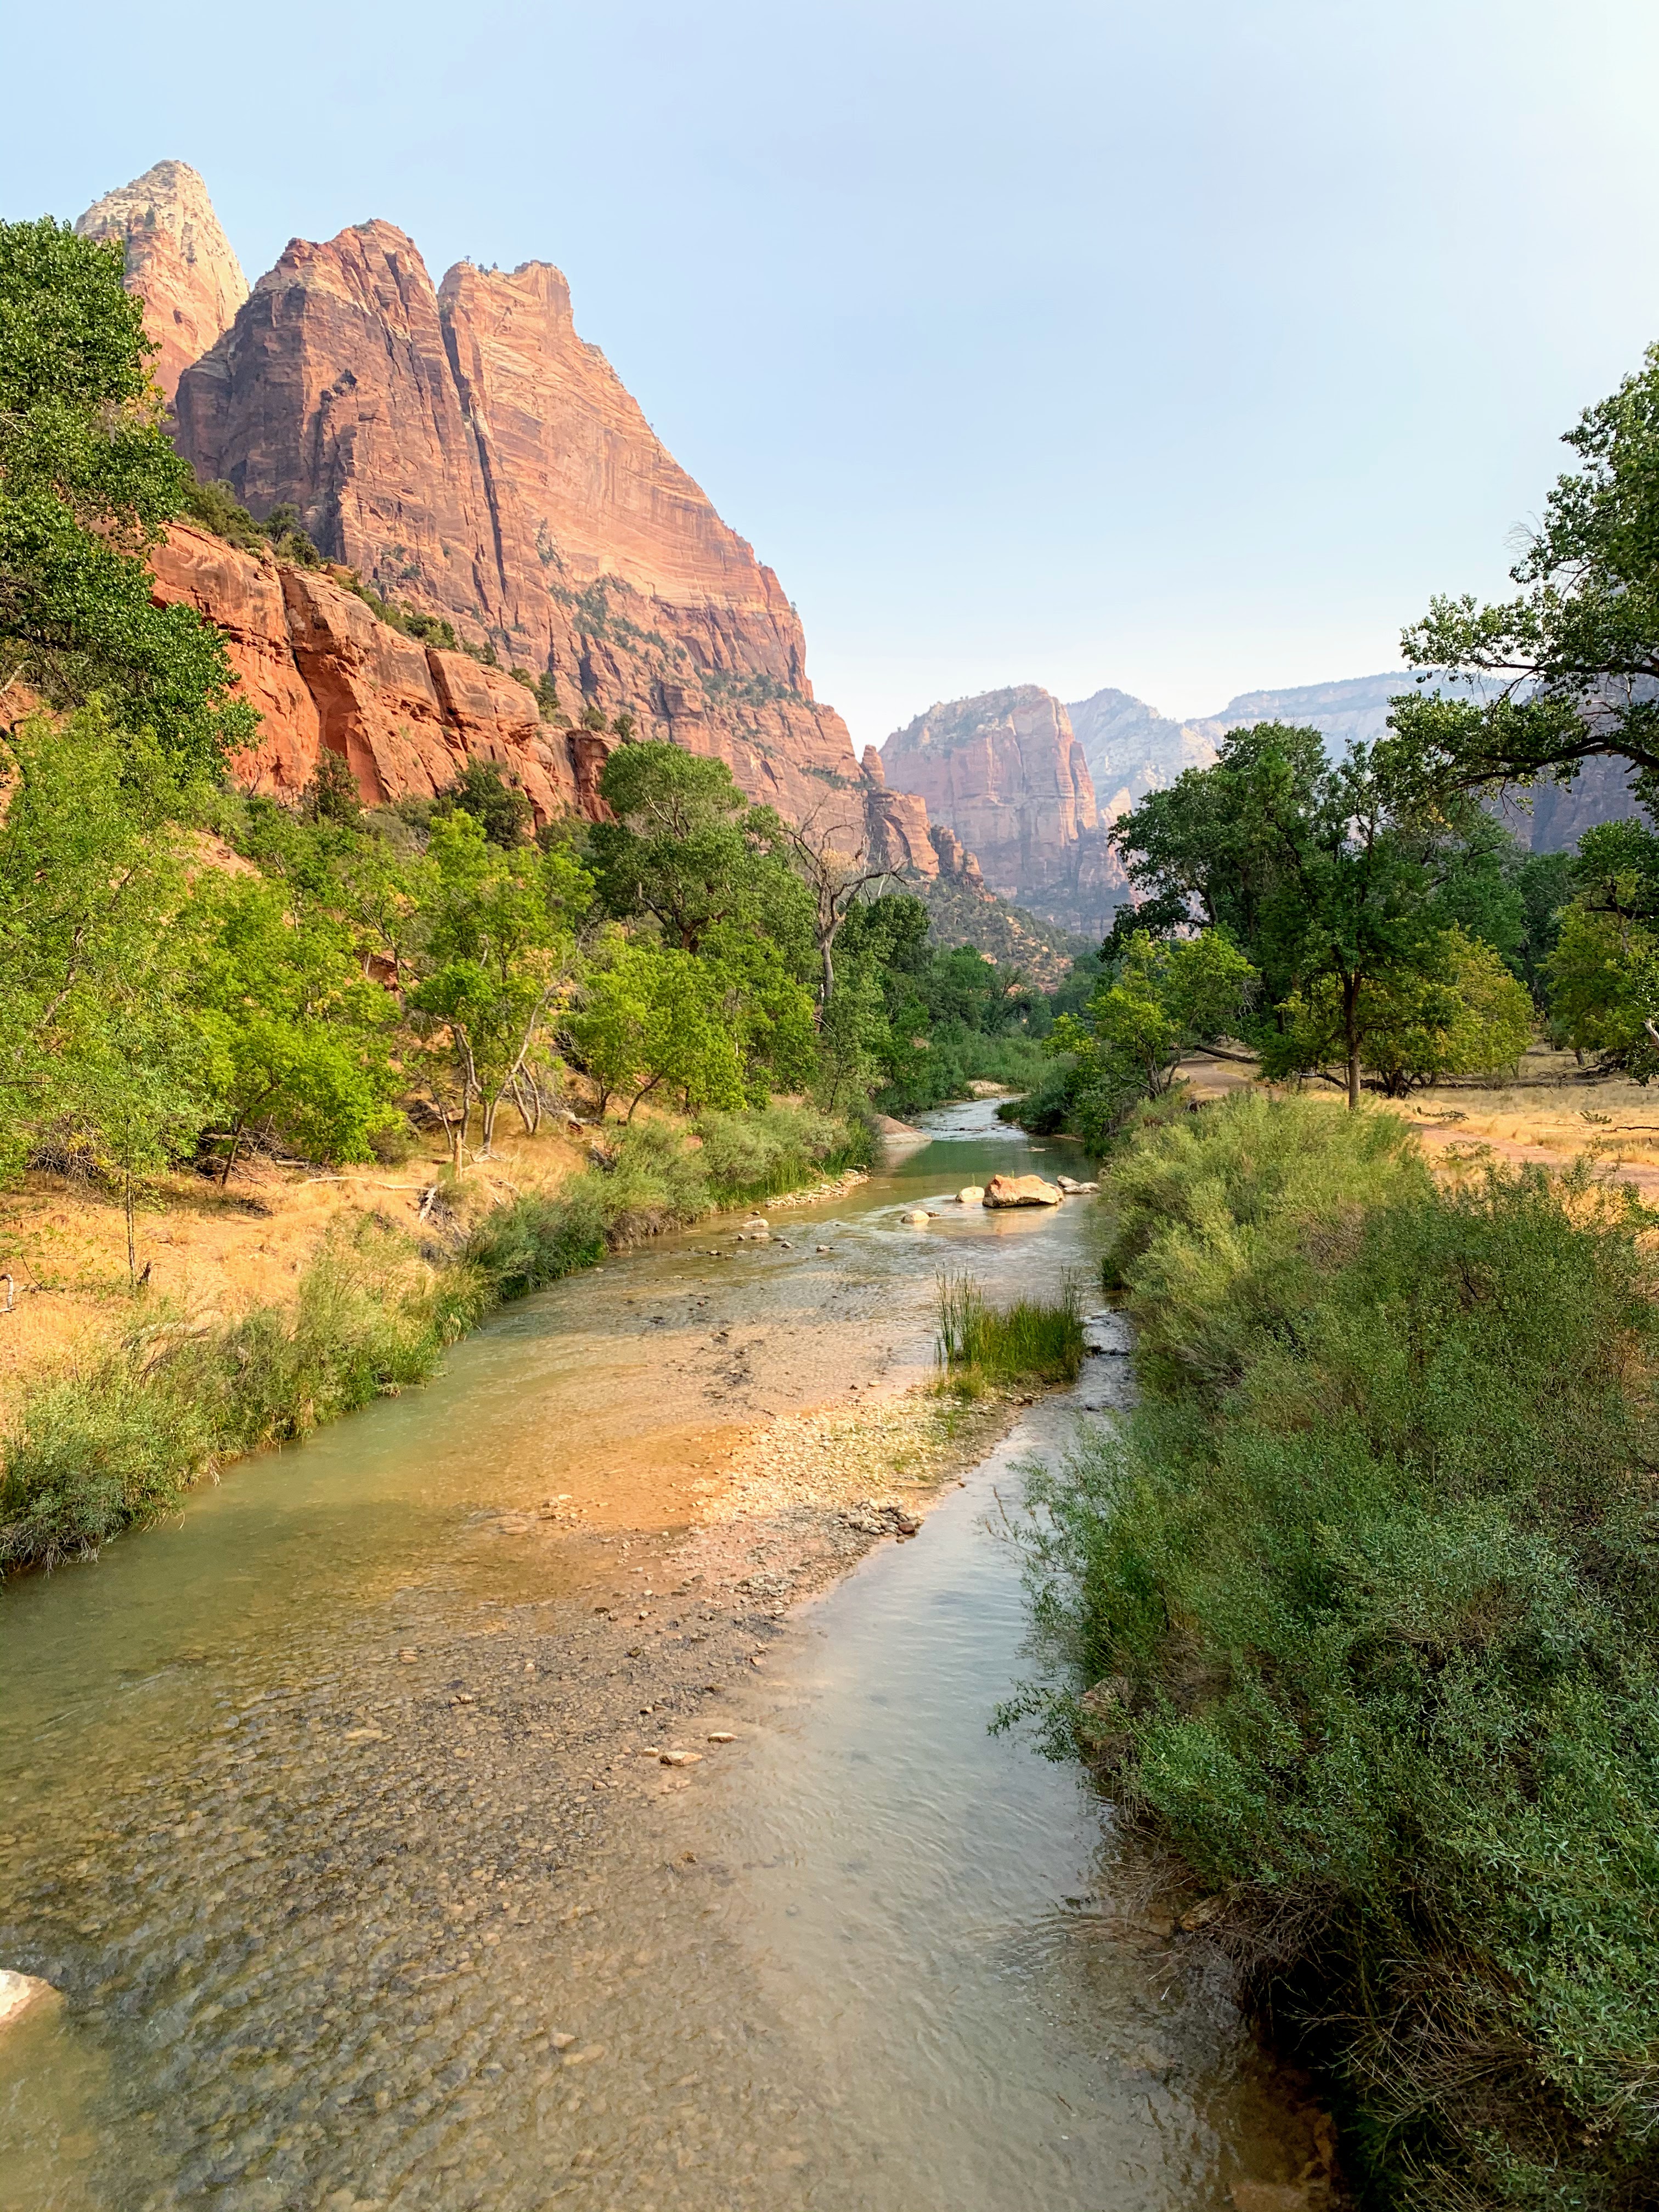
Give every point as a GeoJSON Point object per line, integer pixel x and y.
{"type": "Point", "coordinates": [326, 674]}
{"type": "Point", "coordinates": [469, 454]}
{"type": "Point", "coordinates": [1004, 773]}
{"type": "Point", "coordinates": [180, 263]}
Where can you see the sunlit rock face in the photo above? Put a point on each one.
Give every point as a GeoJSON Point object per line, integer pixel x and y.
{"type": "Point", "coordinates": [1005, 774]}
{"type": "Point", "coordinates": [466, 453]}
{"type": "Point", "coordinates": [180, 263]}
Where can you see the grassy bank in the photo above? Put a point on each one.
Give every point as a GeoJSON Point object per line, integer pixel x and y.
{"type": "Point", "coordinates": [111, 1440]}
{"type": "Point", "coordinates": [1363, 1610]}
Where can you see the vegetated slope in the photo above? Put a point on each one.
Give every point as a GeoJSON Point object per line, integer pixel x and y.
{"type": "Point", "coordinates": [1363, 1598]}
{"type": "Point", "coordinates": [960, 913]}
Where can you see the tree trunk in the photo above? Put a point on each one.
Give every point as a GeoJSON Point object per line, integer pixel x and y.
{"type": "Point", "coordinates": [1351, 1030]}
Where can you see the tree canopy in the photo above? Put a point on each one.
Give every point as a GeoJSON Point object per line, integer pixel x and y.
{"type": "Point", "coordinates": [88, 482]}
{"type": "Point", "coordinates": [1568, 669]}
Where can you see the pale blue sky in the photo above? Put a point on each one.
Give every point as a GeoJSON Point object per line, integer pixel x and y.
{"type": "Point", "coordinates": [1184, 347]}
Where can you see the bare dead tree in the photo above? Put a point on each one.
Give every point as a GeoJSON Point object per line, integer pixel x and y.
{"type": "Point", "coordinates": [832, 858]}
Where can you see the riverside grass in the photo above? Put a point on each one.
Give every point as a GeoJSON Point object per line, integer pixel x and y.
{"type": "Point", "coordinates": [1363, 1601]}
{"type": "Point", "coordinates": [108, 1444]}
{"type": "Point", "coordinates": [1033, 1340]}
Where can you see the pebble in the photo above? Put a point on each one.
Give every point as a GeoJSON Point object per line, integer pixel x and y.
{"type": "Point", "coordinates": [722, 1735]}
{"type": "Point", "coordinates": [679, 1758]}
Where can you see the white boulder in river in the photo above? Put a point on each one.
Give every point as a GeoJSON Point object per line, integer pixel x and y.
{"type": "Point", "coordinates": [970, 1194]}
{"type": "Point", "coordinates": [21, 1993]}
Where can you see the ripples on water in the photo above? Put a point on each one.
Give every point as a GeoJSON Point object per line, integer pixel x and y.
{"type": "Point", "coordinates": [324, 1933]}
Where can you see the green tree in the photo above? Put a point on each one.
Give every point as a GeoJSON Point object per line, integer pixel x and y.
{"type": "Point", "coordinates": [853, 1035]}
{"type": "Point", "coordinates": [1456, 1010]}
{"type": "Point", "coordinates": [654, 1017]}
{"type": "Point", "coordinates": [1328, 882]}
{"type": "Point", "coordinates": [1168, 997]}
{"type": "Point", "coordinates": [300, 1034]}
{"type": "Point", "coordinates": [686, 849]}
{"type": "Point", "coordinates": [88, 482]}
{"type": "Point", "coordinates": [1568, 671]}
{"type": "Point", "coordinates": [500, 808]}
{"type": "Point", "coordinates": [487, 954]}
{"type": "Point", "coordinates": [99, 1047]}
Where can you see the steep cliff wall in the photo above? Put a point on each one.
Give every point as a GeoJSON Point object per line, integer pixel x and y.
{"type": "Point", "coordinates": [1005, 774]}
{"type": "Point", "coordinates": [468, 453]}
{"type": "Point", "coordinates": [180, 262]}
{"type": "Point", "coordinates": [326, 673]}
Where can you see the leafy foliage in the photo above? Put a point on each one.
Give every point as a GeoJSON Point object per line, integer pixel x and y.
{"type": "Point", "coordinates": [1166, 997]}
{"type": "Point", "coordinates": [1568, 669]}
{"type": "Point", "coordinates": [1364, 1593]}
{"type": "Point", "coordinates": [87, 482]}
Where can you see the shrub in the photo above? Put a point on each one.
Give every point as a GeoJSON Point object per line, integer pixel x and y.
{"type": "Point", "coordinates": [532, 1242]}
{"type": "Point", "coordinates": [756, 1155]}
{"type": "Point", "coordinates": [1365, 1590]}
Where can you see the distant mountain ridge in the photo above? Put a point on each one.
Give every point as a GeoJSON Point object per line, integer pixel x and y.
{"type": "Point", "coordinates": [1034, 784]}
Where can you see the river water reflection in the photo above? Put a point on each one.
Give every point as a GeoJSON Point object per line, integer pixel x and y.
{"type": "Point", "coordinates": [341, 1929]}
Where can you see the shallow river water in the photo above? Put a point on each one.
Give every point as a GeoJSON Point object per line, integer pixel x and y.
{"type": "Point", "coordinates": [309, 1803]}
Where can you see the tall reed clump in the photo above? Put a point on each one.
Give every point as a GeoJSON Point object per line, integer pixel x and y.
{"type": "Point", "coordinates": [1363, 1607]}
{"type": "Point", "coordinates": [1033, 1340]}
{"type": "Point", "coordinates": [111, 1443]}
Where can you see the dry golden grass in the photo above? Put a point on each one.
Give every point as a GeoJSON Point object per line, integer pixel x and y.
{"type": "Point", "coordinates": [213, 1253]}
{"type": "Point", "coordinates": [1553, 1112]}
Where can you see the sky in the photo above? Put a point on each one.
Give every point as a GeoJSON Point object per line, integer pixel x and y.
{"type": "Point", "coordinates": [1187, 346]}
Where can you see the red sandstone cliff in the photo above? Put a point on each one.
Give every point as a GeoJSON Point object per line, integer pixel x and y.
{"type": "Point", "coordinates": [1005, 774]}
{"type": "Point", "coordinates": [466, 451]}
{"type": "Point", "coordinates": [180, 263]}
{"type": "Point", "coordinates": [324, 671]}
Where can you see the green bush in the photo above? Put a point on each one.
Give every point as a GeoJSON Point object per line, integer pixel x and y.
{"type": "Point", "coordinates": [1364, 1592]}
{"type": "Point", "coordinates": [112, 1445]}
{"type": "Point", "coordinates": [532, 1242]}
{"type": "Point", "coordinates": [1033, 1340]}
{"type": "Point", "coordinates": [759, 1154]}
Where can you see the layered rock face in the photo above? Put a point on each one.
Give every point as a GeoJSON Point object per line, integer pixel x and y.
{"type": "Point", "coordinates": [896, 824]}
{"type": "Point", "coordinates": [326, 673]}
{"type": "Point", "coordinates": [1131, 748]}
{"type": "Point", "coordinates": [180, 263]}
{"type": "Point", "coordinates": [1004, 773]}
{"type": "Point", "coordinates": [465, 451]}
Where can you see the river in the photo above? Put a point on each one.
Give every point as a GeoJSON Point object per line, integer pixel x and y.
{"type": "Point", "coordinates": [335, 1808]}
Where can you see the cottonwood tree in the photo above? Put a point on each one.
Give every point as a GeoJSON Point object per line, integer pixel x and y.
{"type": "Point", "coordinates": [299, 1034]}
{"type": "Point", "coordinates": [1568, 669]}
{"type": "Point", "coordinates": [88, 482]}
{"type": "Point", "coordinates": [1458, 1010]}
{"type": "Point", "coordinates": [689, 851]}
{"type": "Point", "coordinates": [653, 1018]}
{"type": "Point", "coordinates": [492, 949]}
